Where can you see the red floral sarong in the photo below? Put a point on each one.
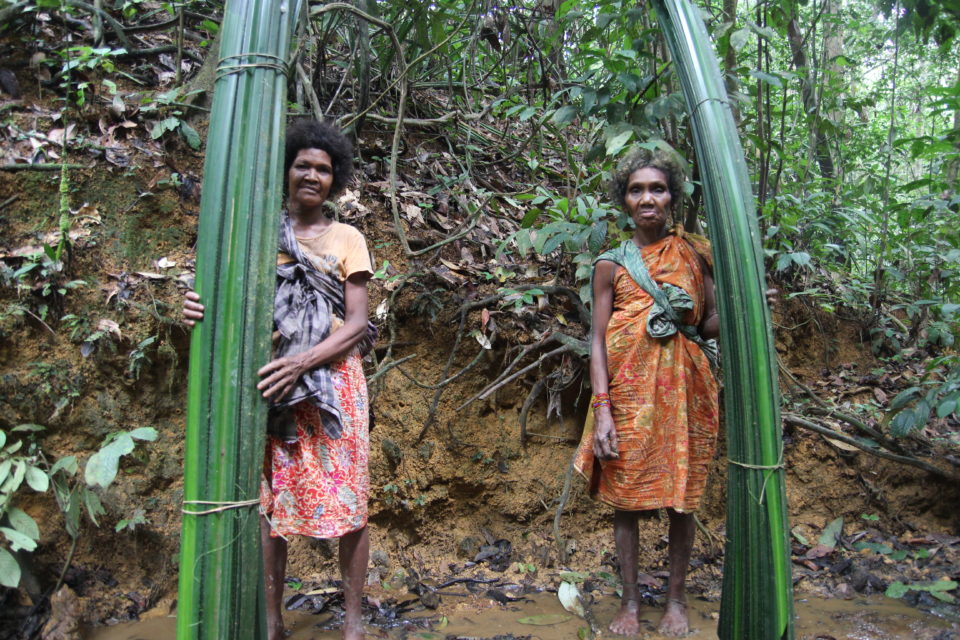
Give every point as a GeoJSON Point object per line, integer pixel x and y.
{"type": "Point", "coordinates": [316, 486]}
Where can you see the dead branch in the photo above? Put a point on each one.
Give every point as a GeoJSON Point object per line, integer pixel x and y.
{"type": "Point", "coordinates": [117, 28]}
{"type": "Point", "coordinates": [824, 408]}
{"type": "Point", "coordinates": [40, 166]}
{"type": "Point", "coordinates": [446, 377]}
{"type": "Point", "coordinates": [561, 504]}
{"type": "Point", "coordinates": [880, 453]}
{"type": "Point", "coordinates": [496, 384]}
{"type": "Point", "coordinates": [535, 393]}
{"type": "Point", "coordinates": [386, 366]}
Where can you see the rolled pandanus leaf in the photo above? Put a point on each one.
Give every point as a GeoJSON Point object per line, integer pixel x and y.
{"type": "Point", "coordinates": [757, 600]}
{"type": "Point", "coordinates": [221, 577]}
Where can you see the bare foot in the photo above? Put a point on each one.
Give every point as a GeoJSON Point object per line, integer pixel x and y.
{"type": "Point", "coordinates": [674, 622]}
{"type": "Point", "coordinates": [627, 620]}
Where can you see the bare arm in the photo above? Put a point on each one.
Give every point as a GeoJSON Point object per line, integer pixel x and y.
{"type": "Point", "coordinates": [710, 325]}
{"type": "Point", "coordinates": [280, 375]}
{"type": "Point", "coordinates": [604, 433]}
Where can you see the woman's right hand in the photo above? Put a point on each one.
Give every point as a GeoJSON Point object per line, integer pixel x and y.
{"type": "Point", "coordinates": [604, 435]}
{"type": "Point", "coordinates": [192, 309]}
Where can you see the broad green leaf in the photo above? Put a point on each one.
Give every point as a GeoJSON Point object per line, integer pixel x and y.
{"type": "Point", "coordinates": [102, 466]}
{"type": "Point", "coordinates": [766, 77]}
{"type": "Point", "coordinates": [564, 114]}
{"type": "Point", "coordinates": [165, 125]}
{"type": "Point", "coordinates": [551, 244]}
{"type": "Point", "coordinates": [831, 533]}
{"type": "Point", "coordinates": [905, 396]}
{"type": "Point", "coordinates": [33, 428]}
{"type": "Point", "coordinates": [37, 479]}
{"type": "Point", "coordinates": [529, 218]}
{"type": "Point", "coordinates": [896, 589]}
{"type": "Point", "coordinates": [94, 507]}
{"type": "Point", "coordinates": [67, 464]}
{"type": "Point", "coordinates": [190, 135]}
{"type": "Point", "coordinates": [903, 423]}
{"type": "Point", "coordinates": [71, 515]}
{"type": "Point", "coordinates": [23, 523]}
{"type": "Point", "coordinates": [144, 433]}
{"type": "Point", "coordinates": [9, 570]}
{"type": "Point", "coordinates": [943, 409]}
{"type": "Point", "coordinates": [615, 144]}
{"type": "Point", "coordinates": [18, 540]}
{"type": "Point", "coordinates": [739, 38]}
{"type": "Point", "coordinates": [16, 478]}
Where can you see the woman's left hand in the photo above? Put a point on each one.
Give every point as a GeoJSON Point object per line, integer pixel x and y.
{"type": "Point", "coordinates": [280, 376]}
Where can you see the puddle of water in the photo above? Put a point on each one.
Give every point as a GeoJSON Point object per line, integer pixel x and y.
{"type": "Point", "coordinates": [867, 618]}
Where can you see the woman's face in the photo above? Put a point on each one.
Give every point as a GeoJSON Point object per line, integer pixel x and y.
{"type": "Point", "coordinates": [648, 198]}
{"type": "Point", "coordinates": [310, 178]}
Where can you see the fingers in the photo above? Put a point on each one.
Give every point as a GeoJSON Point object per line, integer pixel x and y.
{"type": "Point", "coordinates": [192, 309]}
{"type": "Point", "coordinates": [281, 376]}
{"type": "Point", "coordinates": [605, 440]}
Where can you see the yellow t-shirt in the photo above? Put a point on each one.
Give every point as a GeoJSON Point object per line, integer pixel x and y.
{"type": "Point", "coordinates": [339, 250]}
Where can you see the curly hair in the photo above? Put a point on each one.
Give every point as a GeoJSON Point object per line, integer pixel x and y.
{"type": "Point", "coordinates": [641, 158]}
{"type": "Point", "coordinates": [308, 133]}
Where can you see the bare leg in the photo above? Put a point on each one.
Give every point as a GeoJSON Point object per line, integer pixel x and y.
{"type": "Point", "coordinates": [354, 557]}
{"type": "Point", "coordinates": [682, 532]}
{"type": "Point", "coordinates": [627, 620]}
{"type": "Point", "coordinates": [274, 567]}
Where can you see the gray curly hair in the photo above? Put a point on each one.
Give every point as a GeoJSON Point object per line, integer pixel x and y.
{"type": "Point", "coordinates": [641, 158]}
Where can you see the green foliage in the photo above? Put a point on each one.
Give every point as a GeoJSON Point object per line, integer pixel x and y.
{"type": "Point", "coordinates": [88, 59]}
{"type": "Point", "coordinates": [936, 588]}
{"type": "Point", "coordinates": [24, 465]}
{"type": "Point", "coordinates": [937, 393]}
{"type": "Point", "coordinates": [102, 466]}
{"type": "Point", "coordinates": [167, 106]}
{"type": "Point", "coordinates": [138, 357]}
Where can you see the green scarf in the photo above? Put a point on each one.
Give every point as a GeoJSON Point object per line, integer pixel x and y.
{"type": "Point", "coordinates": [669, 301]}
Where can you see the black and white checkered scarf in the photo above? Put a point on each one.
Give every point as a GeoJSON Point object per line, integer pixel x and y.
{"type": "Point", "coordinates": [305, 303]}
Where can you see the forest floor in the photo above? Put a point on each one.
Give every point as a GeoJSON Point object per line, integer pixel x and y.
{"type": "Point", "coordinates": [467, 522]}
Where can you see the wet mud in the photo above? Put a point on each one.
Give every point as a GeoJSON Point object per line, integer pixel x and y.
{"type": "Point", "coordinates": [868, 618]}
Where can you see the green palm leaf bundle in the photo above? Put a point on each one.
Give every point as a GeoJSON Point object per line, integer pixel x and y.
{"type": "Point", "coordinates": [757, 598]}
{"type": "Point", "coordinates": [220, 591]}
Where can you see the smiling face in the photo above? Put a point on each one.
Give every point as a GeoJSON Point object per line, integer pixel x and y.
{"type": "Point", "coordinates": [647, 199]}
{"type": "Point", "coordinates": [309, 178]}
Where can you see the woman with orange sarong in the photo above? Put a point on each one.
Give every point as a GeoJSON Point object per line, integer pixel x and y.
{"type": "Point", "coordinates": [655, 411]}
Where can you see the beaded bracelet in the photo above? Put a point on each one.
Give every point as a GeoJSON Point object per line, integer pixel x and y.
{"type": "Point", "coordinates": [600, 400]}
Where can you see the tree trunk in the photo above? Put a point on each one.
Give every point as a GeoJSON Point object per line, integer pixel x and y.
{"type": "Point", "coordinates": [810, 99]}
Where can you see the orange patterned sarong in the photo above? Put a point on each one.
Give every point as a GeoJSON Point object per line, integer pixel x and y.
{"type": "Point", "coordinates": [317, 486]}
{"type": "Point", "coordinates": [662, 392]}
